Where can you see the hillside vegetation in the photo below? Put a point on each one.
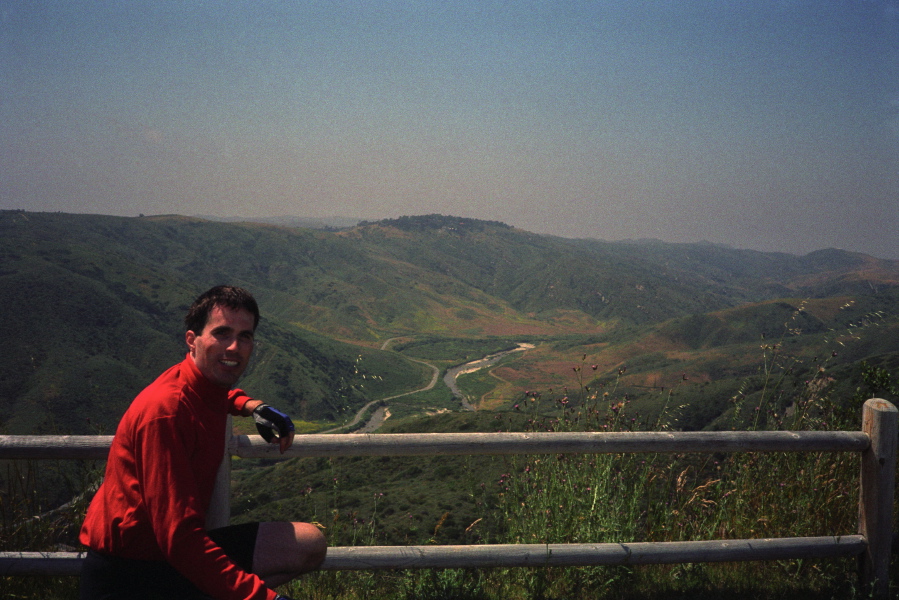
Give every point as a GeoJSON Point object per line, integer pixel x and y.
{"type": "Point", "coordinates": [94, 307]}
{"type": "Point", "coordinates": [628, 335]}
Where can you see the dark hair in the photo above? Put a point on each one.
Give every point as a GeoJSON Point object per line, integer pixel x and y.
{"type": "Point", "coordinates": [225, 296]}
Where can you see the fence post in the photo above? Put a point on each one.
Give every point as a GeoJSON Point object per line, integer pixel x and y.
{"type": "Point", "coordinates": [878, 473]}
{"type": "Point", "coordinates": [219, 513]}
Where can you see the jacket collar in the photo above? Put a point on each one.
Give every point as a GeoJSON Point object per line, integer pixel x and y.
{"type": "Point", "coordinates": [214, 395]}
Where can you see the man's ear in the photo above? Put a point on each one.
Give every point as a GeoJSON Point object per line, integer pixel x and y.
{"type": "Point", "coordinates": [190, 337]}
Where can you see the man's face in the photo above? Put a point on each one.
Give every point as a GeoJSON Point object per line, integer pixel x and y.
{"type": "Point", "coordinates": [222, 350]}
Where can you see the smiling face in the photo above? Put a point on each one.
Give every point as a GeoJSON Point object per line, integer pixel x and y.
{"type": "Point", "coordinates": [222, 350]}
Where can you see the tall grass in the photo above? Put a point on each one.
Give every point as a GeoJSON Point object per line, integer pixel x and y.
{"type": "Point", "coordinates": [28, 524]}
{"type": "Point", "coordinates": [675, 497]}
{"type": "Point", "coordinates": [632, 497]}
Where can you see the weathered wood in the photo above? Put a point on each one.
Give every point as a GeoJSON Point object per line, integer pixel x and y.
{"type": "Point", "coordinates": [40, 563]}
{"type": "Point", "coordinates": [877, 443]}
{"type": "Point", "coordinates": [425, 444]}
{"type": "Point", "coordinates": [219, 512]}
{"type": "Point", "coordinates": [514, 555]}
{"type": "Point", "coordinates": [580, 555]}
{"type": "Point", "coordinates": [80, 447]}
{"type": "Point", "coordinates": [880, 421]}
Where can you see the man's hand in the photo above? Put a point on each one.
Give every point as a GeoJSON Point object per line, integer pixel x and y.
{"type": "Point", "coordinates": [273, 424]}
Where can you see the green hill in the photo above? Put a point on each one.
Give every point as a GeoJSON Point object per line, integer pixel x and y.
{"type": "Point", "coordinates": [94, 306]}
{"type": "Point", "coordinates": [688, 336]}
{"type": "Point", "coordinates": [94, 309]}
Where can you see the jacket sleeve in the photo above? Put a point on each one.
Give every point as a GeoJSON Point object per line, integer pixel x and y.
{"type": "Point", "coordinates": [171, 496]}
{"type": "Point", "coordinates": [237, 398]}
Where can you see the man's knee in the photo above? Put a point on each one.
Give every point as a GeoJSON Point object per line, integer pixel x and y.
{"type": "Point", "coordinates": [284, 547]}
{"type": "Point", "coordinates": [313, 541]}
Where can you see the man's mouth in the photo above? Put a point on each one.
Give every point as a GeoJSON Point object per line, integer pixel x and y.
{"type": "Point", "coordinates": [229, 363]}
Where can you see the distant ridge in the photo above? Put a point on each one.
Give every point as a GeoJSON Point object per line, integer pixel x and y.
{"type": "Point", "coordinates": [435, 221]}
{"type": "Point", "coordinates": [331, 223]}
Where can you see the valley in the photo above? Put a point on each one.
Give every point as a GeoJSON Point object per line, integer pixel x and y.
{"type": "Point", "coordinates": [384, 310]}
{"type": "Point", "coordinates": [365, 328]}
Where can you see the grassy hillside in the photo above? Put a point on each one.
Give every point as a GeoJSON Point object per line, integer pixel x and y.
{"type": "Point", "coordinates": [96, 307]}
{"type": "Point", "coordinates": [408, 497]}
{"type": "Point", "coordinates": [589, 498]}
{"type": "Point", "coordinates": [701, 335]}
{"type": "Point", "coordinates": [702, 362]}
{"type": "Point", "coordinates": [97, 303]}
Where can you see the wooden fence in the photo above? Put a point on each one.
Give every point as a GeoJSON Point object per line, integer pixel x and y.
{"type": "Point", "coordinates": [876, 442]}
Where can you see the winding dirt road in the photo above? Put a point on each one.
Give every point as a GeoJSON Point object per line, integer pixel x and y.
{"type": "Point", "coordinates": [383, 412]}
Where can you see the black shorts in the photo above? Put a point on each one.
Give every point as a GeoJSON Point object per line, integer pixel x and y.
{"type": "Point", "coordinates": [105, 577]}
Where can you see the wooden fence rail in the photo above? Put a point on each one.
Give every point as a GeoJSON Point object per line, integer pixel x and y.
{"type": "Point", "coordinates": [877, 443]}
{"type": "Point", "coordinates": [429, 444]}
{"type": "Point", "coordinates": [515, 555]}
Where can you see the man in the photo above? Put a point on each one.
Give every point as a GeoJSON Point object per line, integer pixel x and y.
{"type": "Point", "coordinates": [145, 528]}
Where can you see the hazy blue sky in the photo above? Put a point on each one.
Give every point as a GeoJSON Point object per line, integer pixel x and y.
{"type": "Point", "coordinates": [762, 124]}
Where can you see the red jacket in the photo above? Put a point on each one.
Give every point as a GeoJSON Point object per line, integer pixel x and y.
{"type": "Point", "coordinates": [159, 478]}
